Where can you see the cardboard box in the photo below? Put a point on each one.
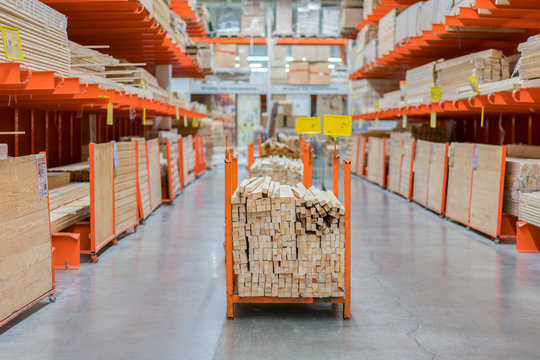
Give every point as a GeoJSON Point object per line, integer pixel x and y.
{"type": "Point", "coordinates": [310, 52]}
{"type": "Point", "coordinates": [280, 121]}
{"type": "Point", "coordinates": [285, 108]}
{"type": "Point", "coordinates": [284, 17]}
{"type": "Point", "coordinates": [329, 105]}
{"type": "Point", "coordinates": [319, 74]}
{"type": "Point", "coordinates": [280, 53]}
{"type": "Point", "coordinates": [298, 73]}
{"type": "Point", "coordinates": [264, 119]}
{"type": "Point", "coordinates": [290, 121]}
{"type": "Point", "coordinates": [225, 56]}
{"type": "Point", "coordinates": [349, 17]}
{"type": "Point", "coordinates": [279, 75]}
{"type": "Point", "coordinates": [253, 25]}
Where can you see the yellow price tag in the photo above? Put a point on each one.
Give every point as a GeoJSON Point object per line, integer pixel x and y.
{"type": "Point", "coordinates": [143, 87]}
{"type": "Point", "coordinates": [473, 80]}
{"type": "Point", "coordinates": [435, 94]}
{"type": "Point", "coordinates": [337, 125]}
{"type": "Point", "coordinates": [482, 118]}
{"type": "Point", "coordinates": [308, 125]}
{"type": "Point", "coordinates": [12, 43]}
{"type": "Point", "coordinates": [170, 97]}
{"type": "Point", "coordinates": [110, 118]}
{"type": "Point", "coordinates": [404, 121]}
{"type": "Point", "coordinates": [433, 120]}
{"type": "Point", "coordinates": [144, 116]}
{"type": "Point", "coordinates": [377, 105]}
{"type": "Point", "coordinates": [177, 114]}
{"type": "Point", "coordinates": [185, 121]}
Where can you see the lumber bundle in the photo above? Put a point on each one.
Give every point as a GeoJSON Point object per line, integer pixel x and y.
{"type": "Point", "coordinates": [368, 91]}
{"type": "Point", "coordinates": [188, 153]}
{"type": "Point", "coordinates": [529, 67]}
{"type": "Point", "coordinates": [154, 172]}
{"type": "Point", "coordinates": [407, 163]}
{"type": "Point", "coordinates": [56, 180]}
{"type": "Point", "coordinates": [458, 194]}
{"type": "Point", "coordinates": [77, 171]}
{"type": "Point", "coordinates": [288, 241]}
{"type": "Point", "coordinates": [68, 205]}
{"type": "Point", "coordinates": [522, 175]}
{"type": "Point", "coordinates": [529, 208]}
{"type": "Point", "coordinates": [42, 33]}
{"type": "Point", "coordinates": [387, 33]}
{"type": "Point", "coordinates": [286, 171]}
{"type": "Point", "coordinates": [145, 205]}
{"type": "Point", "coordinates": [207, 134]}
{"type": "Point", "coordinates": [438, 172]}
{"type": "Point", "coordinates": [376, 160]}
{"type": "Point", "coordinates": [392, 99]}
{"type": "Point", "coordinates": [394, 164]}
{"type": "Point", "coordinates": [170, 173]}
{"type": "Point", "coordinates": [354, 152]}
{"type": "Point", "coordinates": [419, 82]}
{"type": "Point", "coordinates": [102, 188]}
{"type": "Point", "coordinates": [125, 187]}
{"type": "Point", "coordinates": [421, 171]}
{"type": "Point", "coordinates": [368, 33]}
{"type": "Point", "coordinates": [274, 148]}
{"type": "Point", "coordinates": [25, 238]}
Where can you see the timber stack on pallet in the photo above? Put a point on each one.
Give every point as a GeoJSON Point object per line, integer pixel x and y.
{"type": "Point", "coordinates": [42, 33]}
{"type": "Point", "coordinates": [189, 159]}
{"type": "Point", "coordinates": [68, 204]}
{"type": "Point", "coordinates": [282, 169]}
{"type": "Point", "coordinates": [529, 208]}
{"type": "Point", "coordinates": [522, 175]}
{"type": "Point", "coordinates": [419, 82]}
{"type": "Point", "coordinates": [287, 241]}
{"type": "Point", "coordinates": [77, 171]}
{"type": "Point", "coordinates": [274, 148]}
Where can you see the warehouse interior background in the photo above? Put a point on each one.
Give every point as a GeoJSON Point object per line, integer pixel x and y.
{"type": "Point", "coordinates": [269, 179]}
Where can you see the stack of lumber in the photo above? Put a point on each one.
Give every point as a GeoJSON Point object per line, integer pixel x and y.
{"type": "Point", "coordinates": [154, 172]}
{"type": "Point", "coordinates": [397, 142]}
{"type": "Point", "coordinates": [365, 36]}
{"type": "Point", "coordinates": [407, 23]}
{"type": "Point", "coordinates": [56, 180]}
{"type": "Point", "coordinates": [522, 175]}
{"type": "Point", "coordinates": [529, 208]}
{"type": "Point", "coordinates": [438, 171]}
{"type": "Point", "coordinates": [387, 33]}
{"type": "Point", "coordinates": [286, 171]}
{"type": "Point", "coordinates": [170, 172]}
{"type": "Point", "coordinates": [367, 91]}
{"type": "Point", "coordinates": [77, 171]}
{"type": "Point", "coordinates": [407, 163]}
{"type": "Point", "coordinates": [125, 187]}
{"type": "Point", "coordinates": [421, 172]}
{"type": "Point", "coordinates": [455, 73]}
{"type": "Point", "coordinates": [68, 205]}
{"type": "Point", "coordinates": [529, 68]}
{"type": "Point", "coordinates": [370, 6]}
{"type": "Point", "coordinates": [292, 141]}
{"type": "Point", "coordinates": [287, 241]}
{"type": "Point", "coordinates": [145, 204]}
{"type": "Point", "coordinates": [42, 33]}
{"type": "Point", "coordinates": [487, 88]}
{"type": "Point", "coordinates": [376, 160]}
{"type": "Point", "coordinates": [419, 82]}
{"type": "Point", "coordinates": [188, 152]}
{"type": "Point", "coordinates": [205, 131]}
{"type": "Point", "coordinates": [392, 99]}
{"type": "Point", "coordinates": [458, 194]}
{"type": "Point", "coordinates": [274, 148]}
{"type": "Point", "coordinates": [26, 271]}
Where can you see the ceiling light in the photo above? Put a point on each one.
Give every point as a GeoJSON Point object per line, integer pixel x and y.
{"type": "Point", "coordinates": [255, 65]}
{"type": "Point", "coordinates": [334, 59]}
{"type": "Point", "coordinates": [331, 66]}
{"type": "Point", "coordinates": [237, 58]}
{"type": "Point", "coordinates": [289, 58]}
{"type": "Point", "coordinates": [236, 65]}
{"type": "Point", "coordinates": [257, 58]}
{"type": "Point", "coordinates": [259, 69]}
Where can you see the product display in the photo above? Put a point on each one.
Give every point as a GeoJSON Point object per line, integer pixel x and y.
{"type": "Point", "coordinates": [284, 170]}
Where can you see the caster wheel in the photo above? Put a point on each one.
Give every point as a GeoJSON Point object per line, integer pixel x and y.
{"type": "Point", "coordinates": [52, 298]}
{"type": "Point", "coordinates": [497, 241]}
{"type": "Point", "coordinates": [94, 259]}
{"type": "Point", "coordinates": [115, 242]}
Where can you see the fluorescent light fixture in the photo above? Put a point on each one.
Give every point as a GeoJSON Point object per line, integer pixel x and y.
{"type": "Point", "coordinates": [255, 65]}
{"type": "Point", "coordinates": [259, 69]}
{"type": "Point", "coordinates": [257, 58]}
{"type": "Point", "coordinates": [304, 59]}
{"type": "Point", "coordinates": [236, 65]}
{"type": "Point", "coordinates": [334, 59]}
{"type": "Point", "coordinates": [286, 69]}
{"type": "Point", "coordinates": [237, 58]}
{"type": "Point", "coordinates": [331, 66]}
{"type": "Point", "coordinates": [289, 58]}
{"type": "Point", "coordinates": [287, 65]}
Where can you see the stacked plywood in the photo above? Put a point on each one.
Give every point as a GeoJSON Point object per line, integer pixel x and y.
{"type": "Point", "coordinates": [169, 164]}
{"type": "Point", "coordinates": [394, 164]}
{"type": "Point", "coordinates": [102, 187]}
{"type": "Point", "coordinates": [189, 159]}
{"type": "Point", "coordinates": [529, 209]}
{"type": "Point", "coordinates": [68, 204]}
{"type": "Point", "coordinates": [407, 163]}
{"type": "Point", "coordinates": [287, 241]}
{"type": "Point", "coordinates": [274, 148]}
{"type": "Point", "coordinates": [458, 195]}
{"type": "Point", "coordinates": [286, 171]}
{"type": "Point", "coordinates": [26, 271]}
{"type": "Point", "coordinates": [143, 178]}
{"type": "Point", "coordinates": [419, 82]}
{"type": "Point", "coordinates": [154, 172]}
{"type": "Point", "coordinates": [376, 160]}
{"type": "Point", "coordinates": [529, 68]}
{"type": "Point", "coordinates": [125, 187]}
{"type": "Point", "coordinates": [56, 180]}
{"type": "Point", "coordinates": [421, 172]}
{"type": "Point", "coordinates": [78, 171]}
{"type": "Point", "coordinates": [42, 33]}
{"type": "Point", "coordinates": [438, 172]}
{"type": "Point", "coordinates": [387, 33]}
{"type": "Point", "coordinates": [354, 152]}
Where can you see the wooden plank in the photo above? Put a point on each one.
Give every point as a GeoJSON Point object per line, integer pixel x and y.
{"type": "Point", "coordinates": [421, 171]}
{"type": "Point", "coordinates": [125, 186]}
{"type": "Point", "coordinates": [103, 218]}
{"type": "Point", "coordinates": [155, 172]}
{"type": "Point", "coordinates": [144, 189]}
{"type": "Point", "coordinates": [437, 177]}
{"type": "Point", "coordinates": [394, 167]}
{"type": "Point", "coordinates": [373, 159]}
{"type": "Point", "coordinates": [405, 185]}
{"type": "Point", "coordinates": [458, 195]}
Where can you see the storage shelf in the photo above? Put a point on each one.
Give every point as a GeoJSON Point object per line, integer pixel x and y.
{"type": "Point", "coordinates": [188, 14]}
{"type": "Point", "coordinates": [130, 31]}
{"type": "Point", "coordinates": [241, 40]}
{"type": "Point", "coordinates": [381, 10]}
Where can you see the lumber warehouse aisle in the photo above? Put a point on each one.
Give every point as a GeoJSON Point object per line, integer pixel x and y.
{"type": "Point", "coordinates": [422, 288]}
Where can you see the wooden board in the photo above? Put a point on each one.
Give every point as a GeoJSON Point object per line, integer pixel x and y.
{"type": "Point", "coordinates": [78, 171]}
{"type": "Point", "coordinates": [102, 194]}
{"type": "Point", "coordinates": [145, 205]}
{"type": "Point", "coordinates": [406, 181]}
{"type": "Point", "coordinates": [421, 171]}
{"type": "Point", "coordinates": [487, 186]}
{"type": "Point", "coordinates": [169, 151]}
{"type": "Point", "coordinates": [438, 171]}
{"type": "Point", "coordinates": [125, 187]}
{"type": "Point", "coordinates": [458, 194]}
{"type": "Point", "coordinates": [373, 164]}
{"type": "Point", "coordinates": [25, 238]}
{"type": "Point", "coordinates": [58, 179]}
{"type": "Point", "coordinates": [155, 172]}
{"type": "Point", "coordinates": [354, 150]}
{"type": "Point", "coordinates": [394, 167]}
{"type": "Point", "coordinates": [362, 156]}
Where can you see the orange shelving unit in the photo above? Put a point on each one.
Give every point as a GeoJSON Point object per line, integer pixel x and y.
{"type": "Point", "coordinates": [382, 9]}
{"type": "Point", "coordinates": [183, 9]}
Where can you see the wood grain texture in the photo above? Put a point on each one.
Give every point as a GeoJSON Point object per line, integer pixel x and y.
{"type": "Point", "coordinates": [405, 184]}
{"type": "Point", "coordinates": [155, 172]}
{"type": "Point", "coordinates": [25, 238]}
{"type": "Point", "coordinates": [103, 194]}
{"type": "Point", "coordinates": [125, 187]}
{"type": "Point", "coordinates": [486, 189]}
{"type": "Point", "coordinates": [437, 177]}
{"type": "Point", "coordinates": [394, 167]}
{"type": "Point", "coordinates": [362, 156]}
{"type": "Point", "coordinates": [143, 177]}
{"type": "Point", "coordinates": [459, 182]}
{"type": "Point", "coordinates": [421, 171]}
{"type": "Point", "coordinates": [373, 163]}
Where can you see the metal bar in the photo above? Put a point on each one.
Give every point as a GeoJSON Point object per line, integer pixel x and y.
{"type": "Point", "coordinates": [347, 204]}
{"type": "Point", "coordinates": [228, 239]}
{"type": "Point", "coordinates": [32, 132]}
{"type": "Point", "coordinates": [16, 129]}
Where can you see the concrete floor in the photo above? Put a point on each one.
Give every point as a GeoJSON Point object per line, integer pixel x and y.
{"type": "Point", "coordinates": [422, 288]}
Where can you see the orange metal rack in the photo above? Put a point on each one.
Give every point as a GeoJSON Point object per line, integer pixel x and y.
{"type": "Point", "coordinates": [381, 10]}
{"type": "Point", "coordinates": [183, 9]}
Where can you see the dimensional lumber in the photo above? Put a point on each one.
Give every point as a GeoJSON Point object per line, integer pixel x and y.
{"type": "Point", "coordinates": [271, 147]}
{"type": "Point", "coordinates": [102, 194]}
{"type": "Point", "coordinates": [287, 241]}
{"type": "Point", "coordinates": [286, 171]}
{"type": "Point", "coordinates": [419, 82]}
{"type": "Point", "coordinates": [152, 148]}
{"type": "Point", "coordinates": [25, 238]}
{"type": "Point", "coordinates": [56, 180]}
{"type": "Point", "coordinates": [125, 187]}
{"type": "Point", "coordinates": [487, 186]}
{"type": "Point", "coordinates": [458, 194]}
{"type": "Point", "coordinates": [168, 146]}
{"type": "Point", "coordinates": [387, 29]}
{"type": "Point", "coordinates": [68, 205]}
{"type": "Point", "coordinates": [78, 171]}
{"type": "Point", "coordinates": [421, 171]}
{"type": "Point", "coordinates": [438, 173]}
{"type": "Point", "coordinates": [522, 175]}
{"type": "Point", "coordinates": [362, 161]}
{"type": "Point", "coordinates": [145, 205]}
{"type": "Point", "coordinates": [406, 181]}
{"type": "Point", "coordinates": [529, 208]}
{"type": "Point", "coordinates": [353, 152]}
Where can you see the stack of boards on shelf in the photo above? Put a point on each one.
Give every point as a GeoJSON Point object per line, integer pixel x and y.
{"type": "Point", "coordinates": [286, 171]}
{"type": "Point", "coordinates": [273, 148]}
{"type": "Point", "coordinates": [43, 35]}
{"type": "Point", "coordinates": [26, 270]}
{"type": "Point", "coordinates": [188, 152]}
{"type": "Point", "coordinates": [69, 203]}
{"type": "Point", "coordinates": [170, 164]}
{"type": "Point", "coordinates": [288, 241]}
{"type": "Point", "coordinates": [143, 174]}
{"type": "Point", "coordinates": [125, 186]}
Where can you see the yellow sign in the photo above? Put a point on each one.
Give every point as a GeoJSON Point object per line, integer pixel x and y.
{"type": "Point", "coordinates": [473, 80]}
{"type": "Point", "coordinates": [337, 125]}
{"type": "Point", "coordinates": [12, 43]}
{"type": "Point", "coordinates": [435, 94]}
{"type": "Point", "coordinates": [404, 121]}
{"type": "Point", "coordinates": [185, 121]}
{"type": "Point", "coordinates": [144, 116]}
{"type": "Point", "coordinates": [377, 105]}
{"type": "Point", "coordinates": [482, 118]}
{"type": "Point", "coordinates": [110, 118]}
{"type": "Point", "coordinates": [308, 125]}
{"type": "Point", "coordinates": [177, 114]}
{"type": "Point", "coordinates": [433, 120]}
{"type": "Point", "coordinates": [143, 87]}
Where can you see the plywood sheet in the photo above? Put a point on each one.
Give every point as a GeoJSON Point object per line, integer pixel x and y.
{"type": "Point", "coordinates": [486, 197]}
{"type": "Point", "coordinates": [103, 195]}
{"type": "Point", "coordinates": [421, 171]}
{"type": "Point", "coordinates": [460, 163]}
{"type": "Point", "coordinates": [155, 172]}
{"type": "Point", "coordinates": [394, 167]}
{"type": "Point", "coordinates": [354, 150]}
{"type": "Point", "coordinates": [125, 187]}
{"type": "Point", "coordinates": [362, 155]}
{"type": "Point", "coordinates": [25, 238]}
{"type": "Point", "coordinates": [143, 179]}
{"type": "Point", "coordinates": [169, 150]}
{"type": "Point", "coordinates": [406, 181]}
{"type": "Point", "coordinates": [437, 177]}
{"type": "Point", "coordinates": [373, 159]}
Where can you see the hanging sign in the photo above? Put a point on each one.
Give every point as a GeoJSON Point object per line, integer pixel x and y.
{"type": "Point", "coordinates": [337, 125]}
{"type": "Point", "coordinates": [308, 125]}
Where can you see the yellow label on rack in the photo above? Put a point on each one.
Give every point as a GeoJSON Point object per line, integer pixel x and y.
{"type": "Point", "coordinates": [433, 120]}
{"type": "Point", "coordinates": [482, 118]}
{"type": "Point", "coordinates": [377, 105]}
{"type": "Point", "coordinates": [144, 116]}
{"type": "Point", "coordinates": [185, 121]}
{"type": "Point", "coordinates": [473, 80]}
{"type": "Point", "coordinates": [177, 114]}
{"type": "Point", "coordinates": [110, 118]}
{"type": "Point", "coordinates": [308, 125]}
{"type": "Point", "coordinates": [170, 97]}
{"type": "Point", "coordinates": [143, 87]}
{"type": "Point", "coordinates": [337, 125]}
{"type": "Point", "coordinates": [435, 94]}
{"type": "Point", "coordinates": [404, 121]}
{"type": "Point", "coordinates": [12, 43]}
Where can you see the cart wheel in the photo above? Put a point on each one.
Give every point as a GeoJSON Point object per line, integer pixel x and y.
{"type": "Point", "coordinates": [115, 242]}
{"type": "Point", "coordinates": [52, 298]}
{"type": "Point", "coordinates": [497, 240]}
{"type": "Point", "coordinates": [94, 258]}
